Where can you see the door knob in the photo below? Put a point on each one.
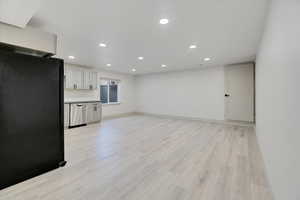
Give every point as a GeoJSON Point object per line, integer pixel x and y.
{"type": "Point", "coordinates": [227, 95]}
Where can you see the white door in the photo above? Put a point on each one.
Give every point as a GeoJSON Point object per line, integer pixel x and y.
{"type": "Point", "coordinates": [239, 92]}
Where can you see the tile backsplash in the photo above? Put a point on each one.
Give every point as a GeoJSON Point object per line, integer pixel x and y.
{"type": "Point", "coordinates": [82, 95]}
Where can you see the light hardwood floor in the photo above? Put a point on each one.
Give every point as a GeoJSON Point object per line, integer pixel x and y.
{"type": "Point", "coordinates": [143, 157]}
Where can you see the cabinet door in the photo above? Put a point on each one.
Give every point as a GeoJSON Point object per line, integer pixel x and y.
{"type": "Point", "coordinates": [90, 118]}
{"type": "Point", "coordinates": [86, 80]}
{"type": "Point", "coordinates": [90, 80]}
{"type": "Point", "coordinates": [77, 78]}
{"type": "Point", "coordinates": [94, 112]}
{"type": "Point", "coordinates": [94, 80]}
{"type": "Point", "coordinates": [98, 112]}
{"type": "Point", "coordinates": [66, 115]}
{"type": "Point", "coordinates": [67, 79]}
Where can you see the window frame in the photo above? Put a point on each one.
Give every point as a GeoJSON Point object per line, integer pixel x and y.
{"type": "Point", "coordinates": [108, 88]}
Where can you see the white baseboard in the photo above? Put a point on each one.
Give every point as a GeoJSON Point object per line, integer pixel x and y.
{"type": "Point", "coordinates": [227, 122]}
{"type": "Point", "coordinates": [118, 115]}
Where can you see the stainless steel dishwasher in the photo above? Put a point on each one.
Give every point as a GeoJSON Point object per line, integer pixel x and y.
{"type": "Point", "coordinates": [78, 115]}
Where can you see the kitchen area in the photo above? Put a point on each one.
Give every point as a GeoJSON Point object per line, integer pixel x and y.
{"type": "Point", "coordinates": [92, 95]}
{"type": "Point", "coordinates": [79, 108]}
{"type": "Point", "coordinates": [56, 94]}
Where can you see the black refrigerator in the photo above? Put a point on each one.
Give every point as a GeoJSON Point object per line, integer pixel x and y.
{"type": "Point", "coordinates": [31, 116]}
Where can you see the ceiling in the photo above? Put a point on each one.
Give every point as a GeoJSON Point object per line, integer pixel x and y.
{"type": "Point", "coordinates": [18, 12]}
{"type": "Point", "coordinates": [225, 31]}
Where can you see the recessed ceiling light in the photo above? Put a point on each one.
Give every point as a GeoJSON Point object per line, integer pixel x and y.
{"type": "Point", "coordinates": [193, 46]}
{"type": "Point", "coordinates": [108, 65]}
{"type": "Point", "coordinates": [163, 65]}
{"type": "Point", "coordinates": [207, 59]}
{"type": "Point", "coordinates": [163, 21]}
{"type": "Point", "coordinates": [102, 45]}
{"type": "Point", "coordinates": [141, 58]}
{"type": "Point", "coordinates": [134, 70]}
{"type": "Point", "coordinates": [71, 57]}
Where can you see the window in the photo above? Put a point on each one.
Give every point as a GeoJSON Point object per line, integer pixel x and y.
{"type": "Point", "coordinates": [109, 91]}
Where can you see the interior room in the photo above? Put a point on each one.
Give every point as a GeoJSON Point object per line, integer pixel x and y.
{"type": "Point", "coordinates": [143, 100]}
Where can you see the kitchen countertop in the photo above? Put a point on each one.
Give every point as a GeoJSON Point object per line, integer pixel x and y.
{"type": "Point", "coordinates": [71, 102]}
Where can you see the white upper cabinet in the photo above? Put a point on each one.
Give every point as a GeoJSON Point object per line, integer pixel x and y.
{"type": "Point", "coordinates": [77, 78]}
{"type": "Point", "coordinates": [90, 80]}
{"type": "Point", "coordinates": [67, 78]}
{"type": "Point", "coordinates": [80, 79]}
{"type": "Point", "coordinates": [95, 80]}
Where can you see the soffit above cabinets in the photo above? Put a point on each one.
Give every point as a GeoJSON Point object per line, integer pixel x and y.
{"type": "Point", "coordinates": [18, 12]}
{"type": "Point", "coordinates": [27, 40]}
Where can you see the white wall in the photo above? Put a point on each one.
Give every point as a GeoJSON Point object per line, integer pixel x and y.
{"type": "Point", "coordinates": [278, 98]}
{"type": "Point", "coordinates": [194, 93]}
{"type": "Point", "coordinates": [126, 95]}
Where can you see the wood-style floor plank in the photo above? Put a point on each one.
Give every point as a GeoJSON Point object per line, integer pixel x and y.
{"type": "Point", "coordinates": [144, 157]}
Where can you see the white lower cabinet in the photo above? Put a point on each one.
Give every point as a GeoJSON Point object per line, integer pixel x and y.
{"type": "Point", "coordinates": [94, 112]}
{"type": "Point", "coordinates": [66, 115]}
